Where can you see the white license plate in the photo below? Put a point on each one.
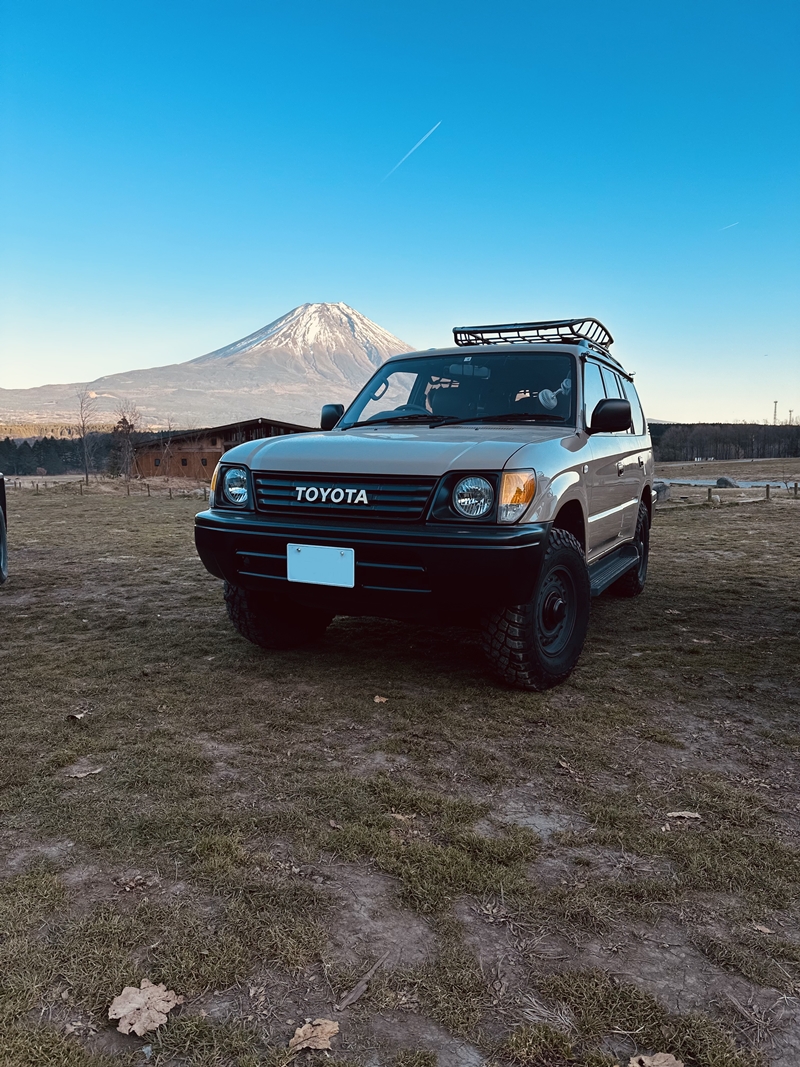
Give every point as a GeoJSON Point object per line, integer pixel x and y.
{"type": "Point", "coordinates": [321, 565]}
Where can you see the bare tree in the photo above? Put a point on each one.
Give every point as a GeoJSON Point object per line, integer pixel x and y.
{"type": "Point", "coordinates": [166, 444]}
{"type": "Point", "coordinates": [87, 415]}
{"type": "Point", "coordinates": [129, 421]}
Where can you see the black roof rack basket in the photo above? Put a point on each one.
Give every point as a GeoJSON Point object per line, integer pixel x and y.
{"type": "Point", "coordinates": [564, 330]}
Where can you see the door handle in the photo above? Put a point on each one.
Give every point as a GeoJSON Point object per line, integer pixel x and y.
{"type": "Point", "coordinates": [641, 461]}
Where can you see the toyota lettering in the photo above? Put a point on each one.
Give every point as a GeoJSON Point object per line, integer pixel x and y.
{"type": "Point", "coordinates": [312, 493]}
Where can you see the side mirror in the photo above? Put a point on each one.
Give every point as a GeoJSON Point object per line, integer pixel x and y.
{"type": "Point", "coordinates": [611, 416]}
{"type": "Point", "coordinates": [331, 413]}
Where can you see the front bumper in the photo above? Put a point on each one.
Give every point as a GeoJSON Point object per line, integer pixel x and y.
{"type": "Point", "coordinates": [402, 570]}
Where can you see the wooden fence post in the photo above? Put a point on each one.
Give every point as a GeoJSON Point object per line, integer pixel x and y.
{"type": "Point", "coordinates": [767, 493]}
{"type": "Point", "coordinates": [709, 494]}
{"type": "Point", "coordinates": [170, 492]}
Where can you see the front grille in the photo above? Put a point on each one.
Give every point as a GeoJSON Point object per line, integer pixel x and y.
{"type": "Point", "coordinates": [355, 496]}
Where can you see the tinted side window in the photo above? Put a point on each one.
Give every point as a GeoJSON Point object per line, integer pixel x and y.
{"type": "Point", "coordinates": [639, 425]}
{"type": "Point", "coordinates": [593, 391]}
{"type": "Point", "coordinates": [615, 388]}
{"type": "Point", "coordinates": [611, 382]}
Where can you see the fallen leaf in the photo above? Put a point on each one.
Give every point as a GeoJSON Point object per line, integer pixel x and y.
{"type": "Point", "coordinates": [77, 715]}
{"type": "Point", "coordinates": [762, 929]}
{"type": "Point", "coordinates": [142, 1010]}
{"type": "Point", "coordinates": [683, 815]}
{"type": "Point", "coordinates": [335, 825]}
{"type": "Point", "coordinates": [85, 774]}
{"type": "Point", "coordinates": [380, 700]}
{"type": "Point", "coordinates": [316, 1035]}
{"type": "Point", "coordinates": [661, 1059]}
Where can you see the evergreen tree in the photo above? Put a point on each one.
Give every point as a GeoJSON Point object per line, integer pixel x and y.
{"type": "Point", "coordinates": [26, 464]}
{"type": "Point", "coordinates": [8, 457]}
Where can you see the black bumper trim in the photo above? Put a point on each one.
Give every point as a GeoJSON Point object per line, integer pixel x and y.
{"type": "Point", "coordinates": [401, 569]}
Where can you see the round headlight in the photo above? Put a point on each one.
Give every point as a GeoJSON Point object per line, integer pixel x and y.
{"type": "Point", "coordinates": [234, 486]}
{"type": "Point", "coordinates": [473, 497]}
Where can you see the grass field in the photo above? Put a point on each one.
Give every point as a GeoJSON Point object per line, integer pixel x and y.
{"type": "Point", "coordinates": [261, 831]}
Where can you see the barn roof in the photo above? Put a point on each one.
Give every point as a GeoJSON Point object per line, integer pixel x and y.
{"type": "Point", "coordinates": [228, 428]}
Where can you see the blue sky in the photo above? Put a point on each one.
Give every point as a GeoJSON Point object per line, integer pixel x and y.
{"type": "Point", "coordinates": [174, 175]}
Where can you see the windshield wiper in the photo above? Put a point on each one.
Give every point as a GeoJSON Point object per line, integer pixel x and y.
{"type": "Point", "coordinates": [508, 416]}
{"type": "Point", "coordinates": [435, 419]}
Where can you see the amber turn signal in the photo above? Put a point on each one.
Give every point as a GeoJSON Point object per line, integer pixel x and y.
{"type": "Point", "coordinates": [517, 490]}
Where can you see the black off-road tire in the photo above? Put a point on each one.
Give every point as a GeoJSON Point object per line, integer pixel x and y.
{"type": "Point", "coordinates": [273, 623]}
{"type": "Point", "coordinates": [536, 645]}
{"type": "Point", "coordinates": [632, 583]}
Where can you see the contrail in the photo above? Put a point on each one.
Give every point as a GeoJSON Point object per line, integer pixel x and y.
{"type": "Point", "coordinates": [729, 227]}
{"type": "Point", "coordinates": [416, 146]}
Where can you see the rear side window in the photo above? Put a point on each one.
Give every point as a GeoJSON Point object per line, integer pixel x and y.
{"type": "Point", "coordinates": [611, 382]}
{"type": "Point", "coordinates": [593, 391]}
{"type": "Point", "coordinates": [639, 425]}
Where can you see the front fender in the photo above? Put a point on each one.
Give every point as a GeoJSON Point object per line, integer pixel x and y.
{"type": "Point", "coordinates": [556, 493]}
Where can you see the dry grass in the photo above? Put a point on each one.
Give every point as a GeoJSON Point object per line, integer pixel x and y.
{"type": "Point", "coordinates": [261, 830]}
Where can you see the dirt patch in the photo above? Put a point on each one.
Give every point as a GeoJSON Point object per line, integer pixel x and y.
{"type": "Point", "coordinates": [369, 922]}
{"type": "Point", "coordinates": [402, 1030]}
{"type": "Point", "coordinates": [27, 855]}
{"type": "Point", "coordinates": [524, 806]}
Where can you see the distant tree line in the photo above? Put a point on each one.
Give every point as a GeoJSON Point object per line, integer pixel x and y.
{"type": "Point", "coordinates": [54, 455]}
{"type": "Point", "coordinates": [733, 440]}
{"type": "Point", "coordinates": [108, 453]}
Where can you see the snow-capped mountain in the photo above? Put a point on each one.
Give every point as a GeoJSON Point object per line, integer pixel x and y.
{"type": "Point", "coordinates": [315, 354]}
{"type": "Point", "coordinates": [324, 330]}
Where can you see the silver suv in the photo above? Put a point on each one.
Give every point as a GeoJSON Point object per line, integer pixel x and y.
{"type": "Point", "coordinates": [500, 483]}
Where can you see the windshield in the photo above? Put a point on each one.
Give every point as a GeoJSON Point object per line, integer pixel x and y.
{"type": "Point", "coordinates": [450, 388]}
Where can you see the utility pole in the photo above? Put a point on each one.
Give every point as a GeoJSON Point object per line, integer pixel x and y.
{"type": "Point", "coordinates": [790, 415]}
{"type": "Point", "coordinates": [775, 414]}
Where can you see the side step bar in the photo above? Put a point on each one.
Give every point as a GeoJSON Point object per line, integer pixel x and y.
{"type": "Point", "coordinates": [604, 572]}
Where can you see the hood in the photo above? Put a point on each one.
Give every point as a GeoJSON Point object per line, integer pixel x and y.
{"type": "Point", "coordinates": [407, 450]}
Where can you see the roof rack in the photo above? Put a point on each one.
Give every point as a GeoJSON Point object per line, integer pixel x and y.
{"type": "Point", "coordinates": [515, 333]}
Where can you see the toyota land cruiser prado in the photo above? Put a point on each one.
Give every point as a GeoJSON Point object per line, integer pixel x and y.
{"type": "Point", "coordinates": [500, 483]}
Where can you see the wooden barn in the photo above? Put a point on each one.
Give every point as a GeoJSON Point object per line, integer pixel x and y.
{"type": "Point", "coordinates": [195, 453]}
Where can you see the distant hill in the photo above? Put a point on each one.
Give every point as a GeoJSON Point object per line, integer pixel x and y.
{"type": "Point", "coordinates": [315, 354]}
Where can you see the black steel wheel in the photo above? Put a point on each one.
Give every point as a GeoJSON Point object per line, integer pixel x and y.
{"type": "Point", "coordinates": [536, 645]}
{"type": "Point", "coordinates": [273, 623]}
{"type": "Point", "coordinates": [632, 583]}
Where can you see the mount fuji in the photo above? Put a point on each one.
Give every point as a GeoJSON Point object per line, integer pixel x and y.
{"type": "Point", "coordinates": [315, 354]}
